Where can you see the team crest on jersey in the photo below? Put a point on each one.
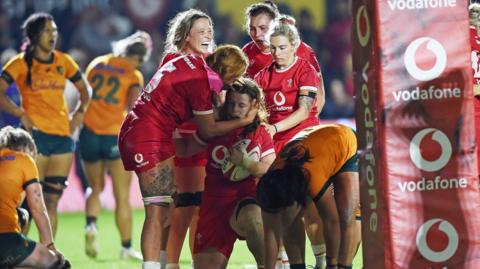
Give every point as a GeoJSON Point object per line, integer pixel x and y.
{"type": "Point", "coordinates": [290, 82]}
{"type": "Point", "coordinates": [60, 70]}
{"type": "Point", "coordinates": [221, 157]}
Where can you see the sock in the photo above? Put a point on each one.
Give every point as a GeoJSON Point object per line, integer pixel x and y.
{"type": "Point", "coordinates": [331, 262]}
{"type": "Point", "coordinates": [163, 259]}
{"type": "Point", "coordinates": [91, 220]}
{"type": "Point", "coordinates": [298, 266]}
{"type": "Point", "coordinates": [319, 251]}
{"type": "Point", "coordinates": [127, 243]}
{"type": "Point", "coordinates": [341, 266]}
{"type": "Point", "coordinates": [150, 265]}
{"type": "Point", "coordinates": [282, 254]}
{"type": "Point", "coordinates": [172, 266]}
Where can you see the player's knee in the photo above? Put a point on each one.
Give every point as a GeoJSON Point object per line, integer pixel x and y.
{"type": "Point", "coordinates": [186, 199]}
{"type": "Point", "coordinates": [54, 185]}
{"type": "Point", "coordinates": [347, 217]}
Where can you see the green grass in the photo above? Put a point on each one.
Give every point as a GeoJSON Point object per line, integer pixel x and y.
{"type": "Point", "coordinates": [70, 240]}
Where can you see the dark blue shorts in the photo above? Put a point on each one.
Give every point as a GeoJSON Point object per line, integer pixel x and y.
{"type": "Point", "coordinates": [14, 249]}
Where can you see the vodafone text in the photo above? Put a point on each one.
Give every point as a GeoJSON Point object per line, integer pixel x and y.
{"type": "Point", "coordinates": [420, 4]}
{"type": "Point", "coordinates": [427, 94]}
{"type": "Point", "coordinates": [437, 183]}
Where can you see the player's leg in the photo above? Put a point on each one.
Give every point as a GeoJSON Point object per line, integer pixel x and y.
{"type": "Point", "coordinates": [121, 181]}
{"type": "Point", "coordinates": [314, 229]}
{"type": "Point", "coordinates": [189, 182]}
{"type": "Point", "coordinates": [156, 185]}
{"type": "Point", "coordinates": [246, 221]}
{"type": "Point", "coordinates": [347, 198]}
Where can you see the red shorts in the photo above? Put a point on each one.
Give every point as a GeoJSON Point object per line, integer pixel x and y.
{"type": "Point", "coordinates": [142, 146]}
{"type": "Point", "coordinates": [213, 227]}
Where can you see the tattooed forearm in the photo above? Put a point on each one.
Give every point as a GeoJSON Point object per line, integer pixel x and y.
{"type": "Point", "coordinates": [306, 102]}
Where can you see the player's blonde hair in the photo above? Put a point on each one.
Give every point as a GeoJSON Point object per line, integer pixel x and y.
{"type": "Point", "coordinates": [179, 28]}
{"type": "Point", "coordinates": [286, 29]}
{"type": "Point", "coordinates": [17, 139]}
{"type": "Point", "coordinates": [474, 12]}
{"type": "Point", "coordinates": [228, 61]}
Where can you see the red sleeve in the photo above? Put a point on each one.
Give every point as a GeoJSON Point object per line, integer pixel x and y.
{"type": "Point", "coordinates": [260, 78]}
{"type": "Point", "coordinates": [312, 59]}
{"type": "Point", "coordinates": [308, 78]}
{"type": "Point", "coordinates": [266, 142]}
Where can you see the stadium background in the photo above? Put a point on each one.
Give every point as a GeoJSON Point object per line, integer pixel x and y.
{"type": "Point", "coordinates": [86, 28]}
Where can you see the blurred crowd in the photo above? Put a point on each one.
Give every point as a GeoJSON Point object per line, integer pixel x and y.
{"type": "Point", "coordinates": [87, 28]}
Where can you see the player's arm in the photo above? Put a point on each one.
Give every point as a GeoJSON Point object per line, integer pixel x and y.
{"type": "Point", "coordinates": [306, 101]}
{"type": "Point", "coordinates": [132, 96]}
{"type": "Point", "coordinates": [257, 168]}
{"type": "Point", "coordinates": [320, 96]}
{"type": "Point", "coordinates": [39, 212]}
{"type": "Point", "coordinates": [7, 105]}
{"type": "Point", "coordinates": [208, 127]}
{"type": "Point", "coordinates": [187, 146]}
{"type": "Point", "coordinates": [82, 87]}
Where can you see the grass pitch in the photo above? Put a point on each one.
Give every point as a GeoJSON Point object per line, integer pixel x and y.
{"type": "Point", "coordinates": [70, 240]}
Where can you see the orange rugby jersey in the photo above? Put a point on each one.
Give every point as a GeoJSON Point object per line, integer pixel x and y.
{"type": "Point", "coordinates": [330, 146]}
{"type": "Point", "coordinates": [44, 101]}
{"type": "Point", "coordinates": [17, 170]}
{"type": "Point", "coordinates": [111, 79]}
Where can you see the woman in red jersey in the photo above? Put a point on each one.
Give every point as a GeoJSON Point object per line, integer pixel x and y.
{"type": "Point", "coordinates": [190, 32]}
{"type": "Point", "coordinates": [292, 86]}
{"type": "Point", "coordinates": [229, 210]}
{"type": "Point", "coordinates": [179, 91]}
{"type": "Point", "coordinates": [259, 19]}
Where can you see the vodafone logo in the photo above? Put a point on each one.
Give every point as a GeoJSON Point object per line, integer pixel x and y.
{"type": "Point", "coordinates": [138, 158]}
{"type": "Point", "coordinates": [416, 152]}
{"type": "Point", "coordinates": [411, 60]}
{"type": "Point", "coordinates": [361, 19]}
{"type": "Point", "coordinates": [221, 156]}
{"type": "Point", "coordinates": [424, 247]}
{"type": "Point", "coordinates": [279, 99]}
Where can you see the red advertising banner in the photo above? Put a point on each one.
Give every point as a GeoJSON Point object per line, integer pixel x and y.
{"type": "Point", "coordinates": [419, 184]}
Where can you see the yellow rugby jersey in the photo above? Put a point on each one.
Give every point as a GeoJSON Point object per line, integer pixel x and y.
{"type": "Point", "coordinates": [111, 78]}
{"type": "Point", "coordinates": [17, 170]}
{"type": "Point", "coordinates": [43, 101]}
{"type": "Point", "coordinates": [330, 146]}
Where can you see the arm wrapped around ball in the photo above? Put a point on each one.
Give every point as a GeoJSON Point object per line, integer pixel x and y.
{"type": "Point", "coordinates": [239, 156]}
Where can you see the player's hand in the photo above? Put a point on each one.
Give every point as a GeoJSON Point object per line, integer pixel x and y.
{"type": "Point", "coordinates": [75, 122]}
{"type": "Point", "coordinates": [236, 155]}
{"type": "Point", "coordinates": [26, 122]}
{"type": "Point", "coordinates": [64, 263]}
{"type": "Point", "coordinates": [271, 129]}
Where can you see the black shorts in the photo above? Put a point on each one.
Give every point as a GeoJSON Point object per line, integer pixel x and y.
{"type": "Point", "coordinates": [14, 249]}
